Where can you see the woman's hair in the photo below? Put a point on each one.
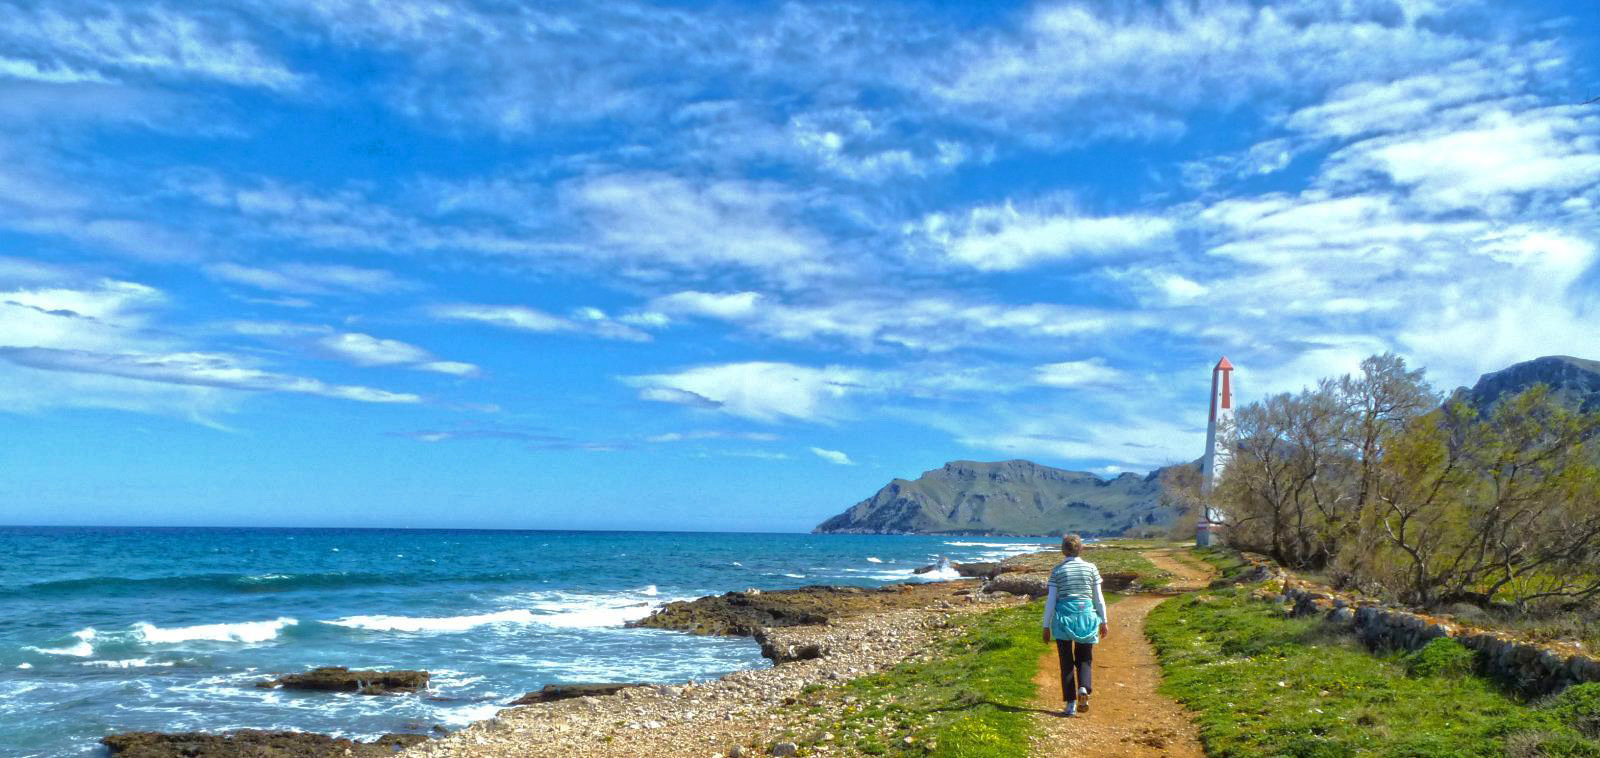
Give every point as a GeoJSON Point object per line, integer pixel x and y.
{"type": "Point", "coordinates": [1071, 545]}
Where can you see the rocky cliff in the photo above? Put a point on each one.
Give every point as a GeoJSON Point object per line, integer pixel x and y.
{"type": "Point", "coordinates": [1007, 498]}
{"type": "Point", "coordinates": [1575, 382]}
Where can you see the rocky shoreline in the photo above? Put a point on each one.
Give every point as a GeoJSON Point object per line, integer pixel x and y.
{"type": "Point", "coordinates": [815, 636]}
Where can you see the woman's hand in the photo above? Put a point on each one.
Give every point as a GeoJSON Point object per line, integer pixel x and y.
{"type": "Point", "coordinates": [1047, 634]}
{"type": "Point", "coordinates": [1104, 630]}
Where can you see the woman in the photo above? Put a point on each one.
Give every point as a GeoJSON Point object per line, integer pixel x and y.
{"type": "Point", "coordinates": [1075, 613]}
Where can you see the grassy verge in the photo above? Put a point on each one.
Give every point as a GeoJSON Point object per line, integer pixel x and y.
{"type": "Point", "coordinates": [1225, 560]}
{"type": "Point", "coordinates": [970, 700]}
{"type": "Point", "coordinates": [1110, 559]}
{"type": "Point", "coordinates": [1262, 684]}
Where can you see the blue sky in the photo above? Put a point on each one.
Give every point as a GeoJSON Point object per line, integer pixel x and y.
{"type": "Point", "coordinates": [734, 266]}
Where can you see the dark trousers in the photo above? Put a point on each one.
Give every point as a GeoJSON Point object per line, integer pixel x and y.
{"type": "Point", "coordinates": [1076, 660]}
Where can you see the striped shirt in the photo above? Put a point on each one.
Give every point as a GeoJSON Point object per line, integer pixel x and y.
{"type": "Point", "coordinates": [1074, 576]}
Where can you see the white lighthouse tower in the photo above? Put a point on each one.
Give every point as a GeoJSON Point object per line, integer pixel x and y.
{"type": "Point", "coordinates": [1219, 429]}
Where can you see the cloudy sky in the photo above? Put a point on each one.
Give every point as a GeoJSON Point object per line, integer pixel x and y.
{"type": "Point", "coordinates": [734, 266]}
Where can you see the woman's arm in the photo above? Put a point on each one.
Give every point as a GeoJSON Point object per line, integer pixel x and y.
{"type": "Point", "coordinates": [1099, 599]}
{"type": "Point", "coordinates": [1049, 605]}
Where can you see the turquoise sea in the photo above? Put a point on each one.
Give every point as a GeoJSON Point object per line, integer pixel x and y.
{"type": "Point", "coordinates": [107, 630]}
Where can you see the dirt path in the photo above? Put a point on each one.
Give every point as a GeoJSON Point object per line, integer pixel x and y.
{"type": "Point", "coordinates": [1128, 717]}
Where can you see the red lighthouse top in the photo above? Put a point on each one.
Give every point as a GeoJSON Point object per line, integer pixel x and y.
{"type": "Point", "coordinates": [1223, 400]}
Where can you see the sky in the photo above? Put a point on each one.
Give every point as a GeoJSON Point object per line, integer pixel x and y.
{"type": "Point", "coordinates": [734, 266]}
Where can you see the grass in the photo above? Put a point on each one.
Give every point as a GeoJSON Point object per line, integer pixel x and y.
{"type": "Point", "coordinates": [971, 700]}
{"type": "Point", "coordinates": [1110, 559]}
{"type": "Point", "coordinates": [1225, 560]}
{"type": "Point", "coordinates": [1261, 684]}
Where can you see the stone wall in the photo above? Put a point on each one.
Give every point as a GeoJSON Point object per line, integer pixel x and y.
{"type": "Point", "coordinates": [1531, 667]}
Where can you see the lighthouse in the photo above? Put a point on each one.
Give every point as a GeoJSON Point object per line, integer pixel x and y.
{"type": "Point", "coordinates": [1219, 429]}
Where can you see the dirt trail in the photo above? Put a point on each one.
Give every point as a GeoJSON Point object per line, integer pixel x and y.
{"type": "Point", "coordinates": [1127, 716]}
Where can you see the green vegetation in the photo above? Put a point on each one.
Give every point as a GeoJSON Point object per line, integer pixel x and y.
{"type": "Point", "coordinates": [972, 700]}
{"type": "Point", "coordinates": [1262, 684]}
{"type": "Point", "coordinates": [1110, 557]}
{"type": "Point", "coordinates": [1369, 478]}
{"type": "Point", "coordinates": [1225, 560]}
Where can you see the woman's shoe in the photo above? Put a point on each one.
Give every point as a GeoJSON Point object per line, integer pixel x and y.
{"type": "Point", "coordinates": [1068, 711]}
{"type": "Point", "coordinates": [1083, 700]}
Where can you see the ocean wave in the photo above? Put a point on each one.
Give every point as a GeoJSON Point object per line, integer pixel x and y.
{"type": "Point", "coordinates": [83, 648]}
{"type": "Point", "coordinates": [872, 559]}
{"type": "Point", "coordinates": [128, 663]}
{"type": "Point", "coordinates": [250, 583]}
{"type": "Point", "coordinates": [574, 610]}
{"type": "Point", "coordinates": [247, 632]}
{"type": "Point", "coordinates": [382, 623]}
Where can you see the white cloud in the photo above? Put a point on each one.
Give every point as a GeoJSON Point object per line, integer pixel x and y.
{"type": "Point", "coordinates": [94, 41]}
{"type": "Point", "coordinates": [1120, 64]}
{"type": "Point", "coordinates": [762, 391]}
{"type": "Point", "coordinates": [453, 368]}
{"type": "Point", "coordinates": [367, 350]}
{"type": "Point", "coordinates": [1091, 371]}
{"type": "Point", "coordinates": [198, 369]}
{"type": "Point", "coordinates": [928, 323]}
{"type": "Point", "coordinates": [1486, 164]}
{"type": "Point", "coordinates": [311, 279]}
{"type": "Point", "coordinates": [1004, 238]}
{"type": "Point", "coordinates": [591, 321]}
{"type": "Point", "coordinates": [728, 306]}
{"type": "Point", "coordinates": [652, 218]}
{"type": "Point", "coordinates": [832, 456]}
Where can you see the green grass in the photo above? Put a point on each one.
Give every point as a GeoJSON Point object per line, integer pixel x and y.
{"type": "Point", "coordinates": [1261, 684]}
{"type": "Point", "coordinates": [1225, 560]}
{"type": "Point", "coordinates": [1112, 558]}
{"type": "Point", "coordinates": [972, 701]}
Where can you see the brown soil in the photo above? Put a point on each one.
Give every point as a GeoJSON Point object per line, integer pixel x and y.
{"type": "Point", "coordinates": [1127, 717]}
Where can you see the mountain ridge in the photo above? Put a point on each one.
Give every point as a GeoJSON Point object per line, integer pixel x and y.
{"type": "Point", "coordinates": [1008, 498]}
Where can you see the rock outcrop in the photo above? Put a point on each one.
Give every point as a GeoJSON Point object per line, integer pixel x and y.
{"type": "Point", "coordinates": [341, 679]}
{"type": "Point", "coordinates": [1574, 382]}
{"type": "Point", "coordinates": [553, 692]}
{"type": "Point", "coordinates": [254, 743]}
{"type": "Point", "coordinates": [1008, 498]}
{"type": "Point", "coordinates": [749, 613]}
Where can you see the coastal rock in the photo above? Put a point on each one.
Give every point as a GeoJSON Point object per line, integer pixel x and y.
{"type": "Point", "coordinates": [744, 614]}
{"type": "Point", "coordinates": [1118, 581]}
{"type": "Point", "coordinates": [341, 679]}
{"type": "Point", "coordinates": [553, 692]}
{"type": "Point", "coordinates": [779, 649]}
{"type": "Point", "coordinates": [977, 570]}
{"type": "Point", "coordinates": [252, 742]}
{"type": "Point", "coordinates": [1031, 586]}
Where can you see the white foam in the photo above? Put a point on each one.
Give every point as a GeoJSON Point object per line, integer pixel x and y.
{"type": "Point", "coordinates": [248, 632]}
{"type": "Point", "coordinates": [83, 648]}
{"type": "Point", "coordinates": [24, 666]}
{"type": "Point", "coordinates": [435, 624]}
{"type": "Point", "coordinates": [650, 591]}
{"type": "Point", "coordinates": [795, 576]}
{"type": "Point", "coordinates": [740, 565]}
{"type": "Point", "coordinates": [127, 663]}
{"type": "Point", "coordinates": [871, 559]}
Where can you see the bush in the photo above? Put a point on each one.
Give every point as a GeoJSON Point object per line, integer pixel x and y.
{"type": "Point", "coordinates": [1441, 657]}
{"type": "Point", "coordinates": [1578, 706]}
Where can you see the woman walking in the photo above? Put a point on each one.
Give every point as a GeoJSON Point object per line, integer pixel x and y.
{"type": "Point", "coordinates": [1075, 614]}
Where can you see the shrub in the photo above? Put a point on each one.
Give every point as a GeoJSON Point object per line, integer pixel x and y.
{"type": "Point", "coordinates": [1441, 657]}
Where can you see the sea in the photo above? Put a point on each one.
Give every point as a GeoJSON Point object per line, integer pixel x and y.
{"type": "Point", "coordinates": [107, 630]}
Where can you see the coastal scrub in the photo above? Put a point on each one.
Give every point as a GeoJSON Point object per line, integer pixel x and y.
{"type": "Point", "coordinates": [1262, 684]}
{"type": "Point", "coordinates": [970, 699]}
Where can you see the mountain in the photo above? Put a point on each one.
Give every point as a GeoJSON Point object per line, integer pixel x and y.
{"type": "Point", "coordinates": [1575, 382]}
{"type": "Point", "coordinates": [1007, 498]}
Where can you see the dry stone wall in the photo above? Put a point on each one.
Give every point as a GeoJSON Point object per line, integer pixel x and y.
{"type": "Point", "coordinates": [1531, 667]}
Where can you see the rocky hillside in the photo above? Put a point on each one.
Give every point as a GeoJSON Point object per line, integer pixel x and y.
{"type": "Point", "coordinates": [1575, 382]}
{"type": "Point", "coordinates": [1007, 498]}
